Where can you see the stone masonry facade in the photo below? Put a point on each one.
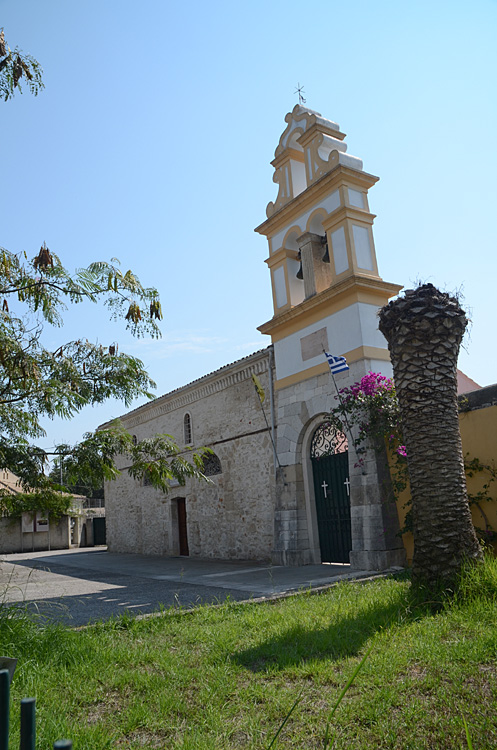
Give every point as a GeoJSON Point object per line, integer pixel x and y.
{"type": "Point", "coordinates": [376, 544]}
{"type": "Point", "coordinates": [232, 517]}
{"type": "Point", "coordinates": [250, 511]}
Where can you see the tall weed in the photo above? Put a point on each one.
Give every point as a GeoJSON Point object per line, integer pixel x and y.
{"type": "Point", "coordinates": [477, 581]}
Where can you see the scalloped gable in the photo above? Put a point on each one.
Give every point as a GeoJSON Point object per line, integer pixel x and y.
{"type": "Point", "coordinates": [309, 147]}
{"type": "Point", "coordinates": [302, 119]}
{"type": "Point", "coordinates": [213, 382]}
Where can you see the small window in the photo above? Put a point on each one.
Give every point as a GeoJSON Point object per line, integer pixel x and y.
{"type": "Point", "coordinates": [135, 440]}
{"type": "Point", "coordinates": [212, 465]}
{"type": "Point", "coordinates": [187, 426]}
{"type": "Point", "coordinates": [147, 480]}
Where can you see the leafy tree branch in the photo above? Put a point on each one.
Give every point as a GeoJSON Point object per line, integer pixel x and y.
{"type": "Point", "coordinates": [38, 382]}
{"type": "Point", "coordinates": [158, 459]}
{"type": "Point", "coordinates": [47, 500]}
{"type": "Point", "coordinates": [16, 68]}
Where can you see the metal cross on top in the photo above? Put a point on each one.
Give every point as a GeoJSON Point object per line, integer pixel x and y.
{"type": "Point", "coordinates": [300, 90]}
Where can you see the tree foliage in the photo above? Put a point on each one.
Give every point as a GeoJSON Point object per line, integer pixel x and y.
{"type": "Point", "coordinates": [46, 500]}
{"type": "Point", "coordinates": [371, 407]}
{"type": "Point", "coordinates": [37, 381]}
{"type": "Point", "coordinates": [92, 487]}
{"type": "Point", "coordinates": [17, 68]}
{"type": "Point", "coordinates": [157, 460]}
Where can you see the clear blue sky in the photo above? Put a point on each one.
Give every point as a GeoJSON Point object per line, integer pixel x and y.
{"type": "Point", "coordinates": [153, 137]}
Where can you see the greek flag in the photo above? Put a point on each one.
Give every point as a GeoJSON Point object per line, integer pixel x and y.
{"type": "Point", "coordinates": [337, 364]}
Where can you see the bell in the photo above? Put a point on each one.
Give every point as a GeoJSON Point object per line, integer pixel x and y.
{"type": "Point", "coordinates": [300, 273]}
{"type": "Point", "coordinates": [326, 256]}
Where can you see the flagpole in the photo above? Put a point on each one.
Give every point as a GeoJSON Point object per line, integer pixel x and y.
{"type": "Point", "coordinates": [343, 406]}
{"type": "Point", "coordinates": [258, 389]}
{"type": "Point", "coordinates": [342, 403]}
{"type": "Point", "coordinates": [271, 403]}
{"type": "Point", "coordinates": [270, 435]}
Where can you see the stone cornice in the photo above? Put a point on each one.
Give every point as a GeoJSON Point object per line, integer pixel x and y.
{"type": "Point", "coordinates": [237, 372]}
{"type": "Point", "coordinates": [341, 288]}
{"type": "Point", "coordinates": [288, 153]}
{"type": "Point", "coordinates": [348, 212]}
{"type": "Point", "coordinates": [280, 255]}
{"type": "Point", "coordinates": [316, 192]}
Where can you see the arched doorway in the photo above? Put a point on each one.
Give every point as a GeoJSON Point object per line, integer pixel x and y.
{"type": "Point", "coordinates": [330, 471]}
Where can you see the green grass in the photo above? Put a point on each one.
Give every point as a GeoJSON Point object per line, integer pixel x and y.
{"type": "Point", "coordinates": [227, 677]}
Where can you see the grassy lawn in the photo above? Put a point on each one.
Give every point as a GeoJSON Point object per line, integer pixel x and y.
{"type": "Point", "coordinates": [226, 677]}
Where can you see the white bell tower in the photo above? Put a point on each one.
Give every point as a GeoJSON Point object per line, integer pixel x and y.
{"type": "Point", "coordinates": [324, 273]}
{"type": "Point", "coordinates": [326, 295]}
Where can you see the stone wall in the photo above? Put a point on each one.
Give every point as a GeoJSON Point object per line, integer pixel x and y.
{"type": "Point", "coordinates": [301, 409]}
{"type": "Point", "coordinates": [12, 539]}
{"type": "Point", "coordinates": [233, 516]}
{"type": "Point", "coordinates": [247, 512]}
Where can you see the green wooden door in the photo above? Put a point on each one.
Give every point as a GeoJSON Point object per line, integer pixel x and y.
{"type": "Point", "coordinates": [330, 465]}
{"type": "Point", "coordinates": [99, 535]}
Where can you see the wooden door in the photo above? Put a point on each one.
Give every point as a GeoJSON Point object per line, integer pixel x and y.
{"type": "Point", "coordinates": [182, 527]}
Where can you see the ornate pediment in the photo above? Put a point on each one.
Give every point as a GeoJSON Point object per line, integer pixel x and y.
{"type": "Point", "coordinates": [305, 152]}
{"type": "Point", "coordinates": [300, 120]}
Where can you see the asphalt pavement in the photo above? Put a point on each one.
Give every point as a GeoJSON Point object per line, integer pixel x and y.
{"type": "Point", "coordinates": [80, 586]}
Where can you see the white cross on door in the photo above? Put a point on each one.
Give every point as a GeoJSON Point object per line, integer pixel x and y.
{"type": "Point", "coordinates": [347, 485]}
{"type": "Point", "coordinates": [325, 487]}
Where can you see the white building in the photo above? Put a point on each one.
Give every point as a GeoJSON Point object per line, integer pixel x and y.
{"type": "Point", "coordinates": [310, 502]}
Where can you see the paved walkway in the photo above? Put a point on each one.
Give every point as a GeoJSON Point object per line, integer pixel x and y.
{"type": "Point", "coordinates": [80, 586]}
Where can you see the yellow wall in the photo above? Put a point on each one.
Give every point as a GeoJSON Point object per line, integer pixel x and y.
{"type": "Point", "coordinates": [479, 440]}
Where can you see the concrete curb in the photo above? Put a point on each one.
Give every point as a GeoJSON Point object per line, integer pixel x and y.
{"type": "Point", "coordinates": [272, 599]}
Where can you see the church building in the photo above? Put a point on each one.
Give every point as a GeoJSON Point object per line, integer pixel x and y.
{"type": "Point", "coordinates": [285, 485]}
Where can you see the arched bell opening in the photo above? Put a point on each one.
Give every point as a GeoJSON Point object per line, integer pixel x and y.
{"type": "Point", "coordinates": [315, 225]}
{"type": "Point", "coordinates": [294, 265]}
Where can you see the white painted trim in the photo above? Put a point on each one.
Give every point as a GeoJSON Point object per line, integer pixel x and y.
{"type": "Point", "coordinates": [354, 326]}
{"type": "Point", "coordinates": [339, 247]}
{"type": "Point", "coordinates": [280, 286]}
{"type": "Point", "coordinates": [214, 382]}
{"type": "Point", "coordinates": [356, 198]}
{"type": "Point", "coordinates": [362, 246]}
{"type": "Point", "coordinates": [299, 181]}
{"type": "Point", "coordinates": [309, 162]}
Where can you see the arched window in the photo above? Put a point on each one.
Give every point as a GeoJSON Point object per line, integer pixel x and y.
{"type": "Point", "coordinates": [187, 429]}
{"type": "Point", "coordinates": [135, 440]}
{"type": "Point", "coordinates": [212, 465]}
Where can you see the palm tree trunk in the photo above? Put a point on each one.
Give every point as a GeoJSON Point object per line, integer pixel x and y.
{"type": "Point", "coordinates": [424, 331]}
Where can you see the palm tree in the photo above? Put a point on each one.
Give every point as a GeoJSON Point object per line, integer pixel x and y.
{"type": "Point", "coordinates": [424, 329]}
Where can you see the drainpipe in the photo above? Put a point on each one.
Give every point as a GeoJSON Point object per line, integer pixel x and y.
{"type": "Point", "coordinates": [271, 401]}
